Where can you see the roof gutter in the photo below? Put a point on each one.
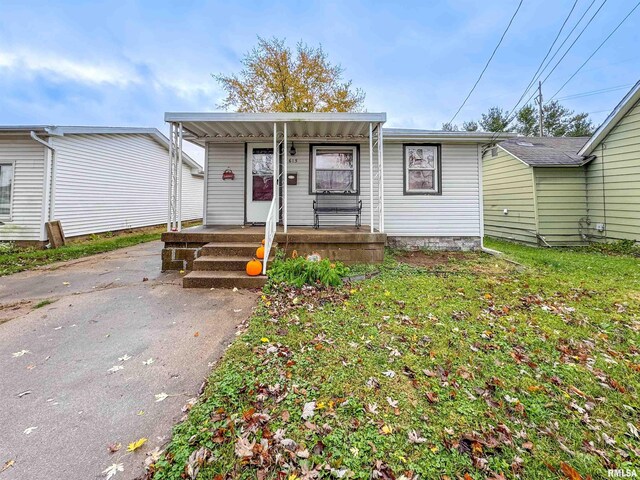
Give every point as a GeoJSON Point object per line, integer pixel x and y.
{"type": "Point", "coordinates": [48, 195]}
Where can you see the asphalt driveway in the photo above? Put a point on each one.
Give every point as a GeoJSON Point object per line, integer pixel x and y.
{"type": "Point", "coordinates": [83, 372]}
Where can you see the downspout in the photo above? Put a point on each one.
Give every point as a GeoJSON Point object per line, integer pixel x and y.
{"type": "Point", "coordinates": [48, 182]}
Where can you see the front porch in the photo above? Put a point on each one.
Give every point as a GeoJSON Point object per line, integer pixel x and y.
{"type": "Point", "coordinates": [216, 255]}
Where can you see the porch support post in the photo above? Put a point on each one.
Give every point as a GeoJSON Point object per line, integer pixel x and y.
{"type": "Point", "coordinates": [170, 186]}
{"type": "Point", "coordinates": [284, 176]}
{"type": "Point", "coordinates": [381, 178]}
{"type": "Point", "coordinates": [371, 174]}
{"type": "Point", "coordinates": [179, 186]}
{"type": "Point", "coordinates": [275, 162]}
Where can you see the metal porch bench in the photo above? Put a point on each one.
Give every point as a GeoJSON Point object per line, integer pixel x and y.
{"type": "Point", "coordinates": [336, 204]}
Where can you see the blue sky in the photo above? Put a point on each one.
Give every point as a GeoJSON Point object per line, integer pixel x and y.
{"type": "Point", "coordinates": [125, 63]}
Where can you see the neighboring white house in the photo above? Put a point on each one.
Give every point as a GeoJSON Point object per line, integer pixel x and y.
{"type": "Point", "coordinates": [92, 179]}
{"type": "Point", "coordinates": [422, 188]}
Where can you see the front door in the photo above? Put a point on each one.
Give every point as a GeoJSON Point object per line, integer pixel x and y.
{"type": "Point", "coordinates": [259, 182]}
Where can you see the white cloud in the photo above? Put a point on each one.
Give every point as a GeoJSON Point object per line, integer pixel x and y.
{"type": "Point", "coordinates": [65, 68]}
{"type": "Point", "coordinates": [119, 74]}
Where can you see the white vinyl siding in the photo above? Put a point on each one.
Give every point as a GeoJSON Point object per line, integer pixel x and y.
{"type": "Point", "coordinates": [300, 201]}
{"type": "Point", "coordinates": [454, 213]}
{"type": "Point", "coordinates": [113, 182]}
{"type": "Point", "coordinates": [225, 198]}
{"type": "Point", "coordinates": [28, 159]}
{"type": "Point", "coordinates": [225, 202]}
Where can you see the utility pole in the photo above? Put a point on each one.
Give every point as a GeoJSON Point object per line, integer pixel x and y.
{"type": "Point", "coordinates": [540, 106]}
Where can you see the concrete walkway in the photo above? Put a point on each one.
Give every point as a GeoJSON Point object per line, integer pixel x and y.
{"type": "Point", "coordinates": [61, 406]}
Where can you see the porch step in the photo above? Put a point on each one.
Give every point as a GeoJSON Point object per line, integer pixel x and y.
{"type": "Point", "coordinates": [231, 249]}
{"type": "Point", "coordinates": [220, 279]}
{"type": "Point", "coordinates": [212, 263]}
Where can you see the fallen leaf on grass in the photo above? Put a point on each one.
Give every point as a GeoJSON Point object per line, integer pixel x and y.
{"type": "Point", "coordinates": [414, 437]}
{"type": "Point", "coordinates": [570, 472]}
{"type": "Point", "coordinates": [432, 397]}
{"type": "Point", "coordinates": [152, 457]}
{"type": "Point", "coordinates": [133, 446]}
{"type": "Point", "coordinates": [386, 429]}
{"type": "Point", "coordinates": [113, 469]}
{"type": "Point", "coordinates": [161, 396]}
{"type": "Point", "coordinates": [244, 448]}
{"type": "Point", "coordinates": [308, 410]}
{"type": "Point", "coordinates": [633, 430]}
{"type": "Point", "coordinates": [27, 431]}
{"type": "Point", "coordinates": [393, 403]}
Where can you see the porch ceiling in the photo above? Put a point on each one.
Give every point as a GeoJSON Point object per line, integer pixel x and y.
{"type": "Point", "coordinates": [205, 127]}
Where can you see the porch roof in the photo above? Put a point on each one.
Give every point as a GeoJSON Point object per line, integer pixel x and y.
{"type": "Point", "coordinates": [202, 127]}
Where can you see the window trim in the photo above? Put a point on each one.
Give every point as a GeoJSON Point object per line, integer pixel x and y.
{"type": "Point", "coordinates": [438, 170]}
{"type": "Point", "coordinates": [356, 165]}
{"type": "Point", "coordinates": [11, 193]}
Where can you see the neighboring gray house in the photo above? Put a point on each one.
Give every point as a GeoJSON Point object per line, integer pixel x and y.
{"type": "Point", "coordinates": [568, 191]}
{"type": "Point", "coordinates": [92, 179]}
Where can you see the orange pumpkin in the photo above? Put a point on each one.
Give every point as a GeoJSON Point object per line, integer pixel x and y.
{"type": "Point", "coordinates": [263, 241]}
{"type": "Point", "coordinates": [260, 252]}
{"type": "Point", "coordinates": [254, 267]}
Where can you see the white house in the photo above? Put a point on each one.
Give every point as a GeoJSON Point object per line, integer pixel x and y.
{"type": "Point", "coordinates": [92, 179]}
{"type": "Point", "coordinates": [285, 173]}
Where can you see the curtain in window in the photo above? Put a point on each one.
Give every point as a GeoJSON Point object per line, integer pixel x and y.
{"type": "Point", "coordinates": [334, 170]}
{"type": "Point", "coordinates": [6, 178]}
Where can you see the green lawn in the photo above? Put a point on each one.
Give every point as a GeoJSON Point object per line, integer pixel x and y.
{"type": "Point", "coordinates": [469, 368]}
{"type": "Point", "coordinates": [19, 259]}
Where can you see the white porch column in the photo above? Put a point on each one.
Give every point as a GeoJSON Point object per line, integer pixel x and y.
{"type": "Point", "coordinates": [170, 185]}
{"type": "Point", "coordinates": [371, 174]}
{"type": "Point", "coordinates": [275, 163]}
{"type": "Point", "coordinates": [179, 183]}
{"type": "Point", "coordinates": [284, 176]}
{"type": "Point", "coordinates": [381, 181]}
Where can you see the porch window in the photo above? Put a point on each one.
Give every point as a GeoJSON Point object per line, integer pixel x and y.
{"type": "Point", "coordinates": [422, 169]}
{"type": "Point", "coordinates": [6, 180]}
{"type": "Point", "coordinates": [334, 169]}
{"type": "Point", "coordinates": [262, 174]}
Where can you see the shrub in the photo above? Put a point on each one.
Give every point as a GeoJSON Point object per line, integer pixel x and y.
{"type": "Point", "coordinates": [8, 247]}
{"type": "Point", "coordinates": [300, 271]}
{"type": "Point", "coordinates": [621, 247]}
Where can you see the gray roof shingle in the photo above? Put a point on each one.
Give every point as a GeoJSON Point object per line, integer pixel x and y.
{"type": "Point", "coordinates": [547, 151]}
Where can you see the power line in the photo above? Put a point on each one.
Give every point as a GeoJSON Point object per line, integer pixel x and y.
{"type": "Point", "coordinates": [595, 92]}
{"type": "Point", "coordinates": [509, 117]}
{"type": "Point", "coordinates": [488, 61]}
{"type": "Point", "coordinates": [596, 50]}
{"type": "Point", "coordinates": [533, 79]}
{"type": "Point", "coordinates": [539, 72]}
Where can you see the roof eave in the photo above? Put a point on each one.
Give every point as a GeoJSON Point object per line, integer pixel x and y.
{"type": "Point", "coordinates": [380, 117]}
{"type": "Point", "coordinates": [612, 120]}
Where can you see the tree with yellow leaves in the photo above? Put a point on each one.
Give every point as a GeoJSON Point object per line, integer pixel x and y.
{"type": "Point", "coordinates": [275, 79]}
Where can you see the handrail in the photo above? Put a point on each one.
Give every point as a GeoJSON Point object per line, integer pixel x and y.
{"type": "Point", "coordinates": [271, 223]}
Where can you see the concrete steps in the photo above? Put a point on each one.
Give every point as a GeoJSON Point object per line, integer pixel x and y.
{"type": "Point", "coordinates": [221, 279]}
{"type": "Point", "coordinates": [222, 264]}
